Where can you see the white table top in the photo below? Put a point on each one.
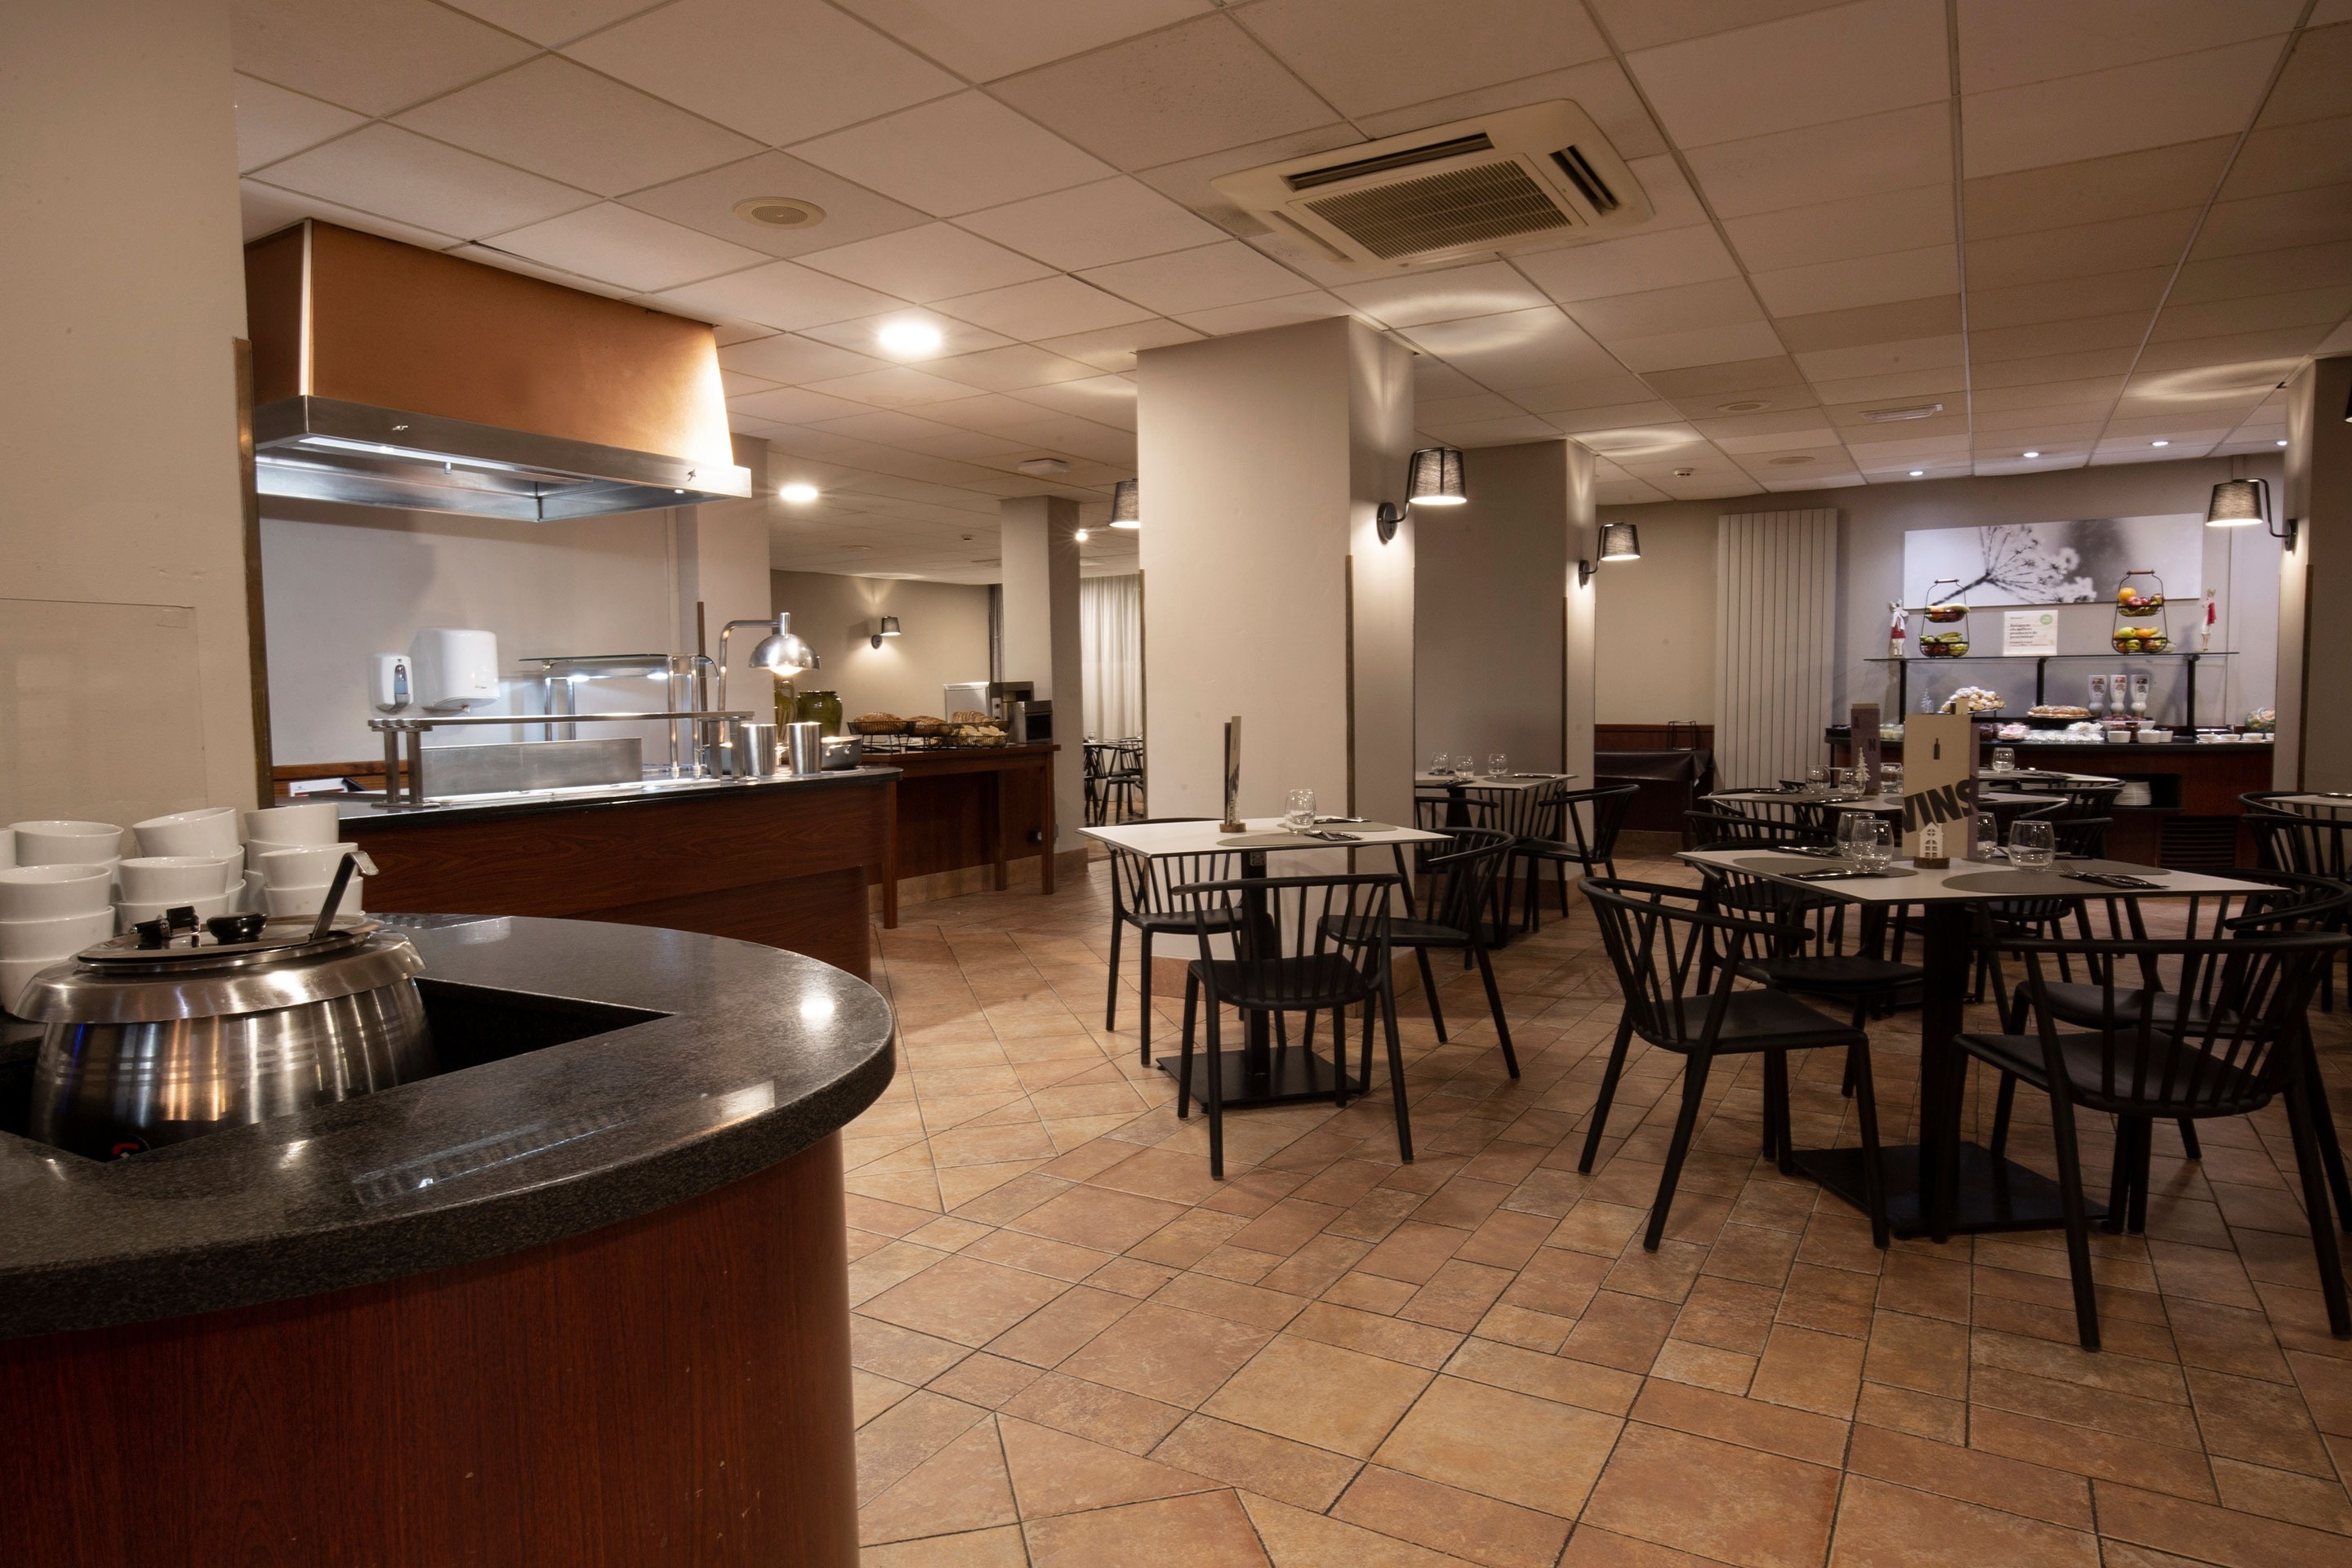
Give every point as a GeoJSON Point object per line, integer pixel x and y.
{"type": "Point", "coordinates": [1930, 887]}
{"type": "Point", "coordinates": [1870, 802]}
{"type": "Point", "coordinates": [2314, 803]}
{"type": "Point", "coordinates": [1487, 781]}
{"type": "Point", "coordinates": [1160, 838]}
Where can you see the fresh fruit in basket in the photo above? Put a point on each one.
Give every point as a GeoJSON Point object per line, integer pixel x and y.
{"type": "Point", "coordinates": [1944, 645]}
{"type": "Point", "coordinates": [2130, 601]}
{"type": "Point", "coordinates": [2141, 639]}
{"type": "Point", "coordinates": [1944, 614]}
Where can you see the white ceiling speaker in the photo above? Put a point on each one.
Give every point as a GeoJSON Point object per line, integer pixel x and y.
{"type": "Point", "coordinates": [1544, 172]}
{"type": "Point", "coordinates": [780, 211]}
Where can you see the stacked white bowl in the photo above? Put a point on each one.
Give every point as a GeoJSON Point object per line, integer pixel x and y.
{"type": "Point", "coordinates": [68, 844]}
{"type": "Point", "coordinates": [48, 914]}
{"type": "Point", "coordinates": [295, 850]}
{"type": "Point", "coordinates": [164, 875]}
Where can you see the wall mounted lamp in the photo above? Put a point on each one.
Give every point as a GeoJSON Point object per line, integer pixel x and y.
{"type": "Point", "coordinates": [2241, 503]}
{"type": "Point", "coordinates": [1618, 542]}
{"type": "Point", "coordinates": [1434, 479]}
{"type": "Point", "coordinates": [1126, 504]}
{"type": "Point", "coordinates": [887, 628]}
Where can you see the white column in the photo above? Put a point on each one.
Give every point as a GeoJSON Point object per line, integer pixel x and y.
{"type": "Point", "coordinates": [1579, 695]}
{"type": "Point", "coordinates": [124, 664]}
{"type": "Point", "coordinates": [1040, 539]}
{"type": "Point", "coordinates": [2315, 695]}
{"type": "Point", "coordinates": [720, 560]}
{"type": "Point", "coordinates": [1267, 591]}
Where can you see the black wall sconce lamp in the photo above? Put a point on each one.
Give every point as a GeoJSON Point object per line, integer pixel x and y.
{"type": "Point", "coordinates": [2241, 503]}
{"type": "Point", "coordinates": [888, 628]}
{"type": "Point", "coordinates": [1618, 542]}
{"type": "Point", "coordinates": [1434, 478]}
{"type": "Point", "coordinates": [1126, 504]}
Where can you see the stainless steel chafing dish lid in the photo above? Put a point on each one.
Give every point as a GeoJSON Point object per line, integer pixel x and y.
{"type": "Point", "coordinates": [118, 982]}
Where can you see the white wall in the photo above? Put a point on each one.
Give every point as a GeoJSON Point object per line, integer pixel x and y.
{"type": "Point", "coordinates": [943, 638]}
{"type": "Point", "coordinates": [1654, 617]}
{"type": "Point", "coordinates": [2315, 743]}
{"type": "Point", "coordinates": [123, 289]}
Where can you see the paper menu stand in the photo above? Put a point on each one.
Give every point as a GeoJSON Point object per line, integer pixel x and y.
{"type": "Point", "coordinates": [1861, 727]}
{"type": "Point", "coordinates": [1232, 822]}
{"type": "Point", "coordinates": [1939, 784]}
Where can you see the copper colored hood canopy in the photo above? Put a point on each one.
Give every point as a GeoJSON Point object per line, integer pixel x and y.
{"type": "Point", "coordinates": [388, 375]}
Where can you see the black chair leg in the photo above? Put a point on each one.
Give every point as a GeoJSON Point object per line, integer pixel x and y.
{"type": "Point", "coordinates": [1217, 1091]}
{"type": "Point", "coordinates": [1143, 1022]}
{"type": "Point", "coordinates": [1997, 1145]}
{"type": "Point", "coordinates": [2323, 1126]}
{"type": "Point", "coordinates": [2190, 1146]}
{"type": "Point", "coordinates": [1560, 874]}
{"type": "Point", "coordinates": [2119, 1179]}
{"type": "Point", "coordinates": [1338, 1055]}
{"type": "Point", "coordinates": [1607, 1093]}
{"type": "Point", "coordinates": [1495, 1006]}
{"type": "Point", "coordinates": [1429, 992]}
{"type": "Point", "coordinates": [2301, 1120]}
{"type": "Point", "coordinates": [1185, 1059]}
{"type": "Point", "coordinates": [1396, 1071]}
{"type": "Point", "coordinates": [2143, 1145]}
{"type": "Point", "coordinates": [1774, 1085]}
{"type": "Point", "coordinates": [1110, 1003]}
{"type": "Point", "coordinates": [1782, 1137]}
{"type": "Point", "coordinates": [1685, 1124]}
{"type": "Point", "coordinates": [1865, 1113]}
{"type": "Point", "coordinates": [2078, 1227]}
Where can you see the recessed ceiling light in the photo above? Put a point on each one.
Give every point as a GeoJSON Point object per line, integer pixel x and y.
{"type": "Point", "coordinates": [2159, 443]}
{"type": "Point", "coordinates": [909, 339]}
{"type": "Point", "coordinates": [1684, 473]}
{"type": "Point", "coordinates": [1889, 415]}
{"type": "Point", "coordinates": [1043, 468]}
{"type": "Point", "coordinates": [798, 493]}
{"type": "Point", "coordinates": [1745, 405]}
{"type": "Point", "coordinates": [1916, 473]}
{"type": "Point", "coordinates": [2033, 453]}
{"type": "Point", "coordinates": [780, 211]}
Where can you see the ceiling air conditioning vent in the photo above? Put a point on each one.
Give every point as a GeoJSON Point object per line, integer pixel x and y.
{"type": "Point", "coordinates": [1544, 172]}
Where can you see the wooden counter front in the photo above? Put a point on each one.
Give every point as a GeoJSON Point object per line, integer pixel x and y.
{"type": "Point", "coordinates": [786, 865]}
{"type": "Point", "coordinates": [971, 807]}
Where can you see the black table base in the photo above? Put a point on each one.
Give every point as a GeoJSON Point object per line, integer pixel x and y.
{"type": "Point", "coordinates": [1292, 1076]}
{"type": "Point", "coordinates": [1993, 1194]}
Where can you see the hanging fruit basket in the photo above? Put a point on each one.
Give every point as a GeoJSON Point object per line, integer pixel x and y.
{"type": "Point", "coordinates": [2139, 615]}
{"type": "Point", "coordinates": [1947, 613]}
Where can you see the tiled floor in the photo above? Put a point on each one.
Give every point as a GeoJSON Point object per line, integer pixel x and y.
{"type": "Point", "coordinates": [1075, 1347]}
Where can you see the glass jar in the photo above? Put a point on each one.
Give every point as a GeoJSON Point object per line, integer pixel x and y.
{"type": "Point", "coordinates": [822, 708]}
{"type": "Point", "coordinates": [2139, 615]}
{"type": "Point", "coordinates": [1946, 635]}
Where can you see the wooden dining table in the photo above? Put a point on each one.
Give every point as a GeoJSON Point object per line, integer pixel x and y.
{"type": "Point", "coordinates": [1945, 1184]}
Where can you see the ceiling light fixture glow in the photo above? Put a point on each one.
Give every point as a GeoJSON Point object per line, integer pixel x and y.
{"type": "Point", "coordinates": [2033, 453]}
{"type": "Point", "coordinates": [1889, 415]}
{"type": "Point", "coordinates": [798, 492]}
{"type": "Point", "coordinates": [2159, 443]}
{"type": "Point", "coordinates": [909, 339]}
{"type": "Point", "coordinates": [1916, 473]}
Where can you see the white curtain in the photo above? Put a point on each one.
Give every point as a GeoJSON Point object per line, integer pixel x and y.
{"type": "Point", "coordinates": [1110, 631]}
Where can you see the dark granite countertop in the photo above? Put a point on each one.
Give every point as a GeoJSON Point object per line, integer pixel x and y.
{"type": "Point", "coordinates": [761, 1054]}
{"type": "Point", "coordinates": [370, 816]}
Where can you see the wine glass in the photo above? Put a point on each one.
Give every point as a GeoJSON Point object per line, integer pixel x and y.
{"type": "Point", "coordinates": [1815, 779]}
{"type": "Point", "coordinates": [1872, 843]}
{"type": "Point", "coordinates": [1441, 764]}
{"type": "Point", "coordinates": [1299, 812]}
{"type": "Point", "coordinates": [2032, 845]}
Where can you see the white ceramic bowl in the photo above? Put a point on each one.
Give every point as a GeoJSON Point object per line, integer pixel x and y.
{"type": "Point", "coordinates": [16, 973]}
{"type": "Point", "coordinates": [156, 878]}
{"type": "Point", "coordinates": [46, 892]}
{"type": "Point", "coordinates": [2155, 737]}
{"type": "Point", "coordinates": [54, 939]}
{"type": "Point", "coordinates": [307, 824]}
{"type": "Point", "coordinates": [65, 843]}
{"type": "Point", "coordinates": [129, 914]}
{"type": "Point", "coordinates": [209, 830]}
{"type": "Point", "coordinates": [279, 903]}
{"type": "Point", "coordinates": [313, 866]}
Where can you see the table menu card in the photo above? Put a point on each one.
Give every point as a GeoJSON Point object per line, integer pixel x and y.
{"type": "Point", "coordinates": [1939, 785]}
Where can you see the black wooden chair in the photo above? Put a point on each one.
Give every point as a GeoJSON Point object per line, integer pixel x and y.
{"type": "Point", "coordinates": [1142, 896]}
{"type": "Point", "coordinates": [1583, 833]}
{"type": "Point", "coordinates": [2232, 1040]}
{"type": "Point", "coordinates": [1524, 813]}
{"type": "Point", "coordinates": [1811, 816]}
{"type": "Point", "coordinates": [1302, 944]}
{"type": "Point", "coordinates": [1661, 941]}
{"type": "Point", "coordinates": [1466, 875]}
{"type": "Point", "coordinates": [2310, 846]}
{"type": "Point", "coordinates": [1727, 830]}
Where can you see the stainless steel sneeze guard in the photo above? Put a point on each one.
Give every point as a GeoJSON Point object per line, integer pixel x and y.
{"type": "Point", "coordinates": [404, 771]}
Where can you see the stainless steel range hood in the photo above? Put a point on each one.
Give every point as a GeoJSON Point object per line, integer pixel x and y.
{"type": "Point", "coordinates": [388, 375]}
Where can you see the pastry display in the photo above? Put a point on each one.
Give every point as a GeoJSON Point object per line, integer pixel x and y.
{"type": "Point", "coordinates": [975, 735]}
{"type": "Point", "coordinates": [2057, 710]}
{"type": "Point", "coordinates": [927, 724]}
{"type": "Point", "coordinates": [967, 716]}
{"type": "Point", "coordinates": [878, 723]}
{"type": "Point", "coordinates": [1972, 700]}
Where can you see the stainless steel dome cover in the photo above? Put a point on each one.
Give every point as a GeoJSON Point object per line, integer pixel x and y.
{"type": "Point", "coordinates": [119, 982]}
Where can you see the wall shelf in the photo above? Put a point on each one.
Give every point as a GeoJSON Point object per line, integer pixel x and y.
{"type": "Point", "coordinates": [2040, 671]}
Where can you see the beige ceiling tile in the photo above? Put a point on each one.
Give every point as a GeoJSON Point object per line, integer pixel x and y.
{"type": "Point", "coordinates": [726, 59]}
{"type": "Point", "coordinates": [780, 294]}
{"type": "Point", "coordinates": [2306, 307]}
{"type": "Point", "coordinates": [2092, 190]}
{"type": "Point", "coordinates": [2081, 335]}
{"type": "Point", "coordinates": [794, 361]}
{"type": "Point", "coordinates": [2312, 85]}
{"type": "Point", "coordinates": [273, 122]}
{"type": "Point", "coordinates": [954, 154]}
{"type": "Point", "coordinates": [2236, 276]}
{"type": "Point", "coordinates": [1080, 437]}
{"type": "Point", "coordinates": [1716, 426]}
{"type": "Point", "coordinates": [2290, 158]}
{"type": "Point", "coordinates": [373, 55]}
{"type": "Point", "coordinates": [2067, 298]}
{"type": "Point", "coordinates": [1984, 372]}
{"type": "Point", "coordinates": [1946, 383]}
{"type": "Point", "coordinates": [1050, 306]}
{"type": "Point", "coordinates": [2008, 43]}
{"type": "Point", "coordinates": [1636, 263]}
{"type": "Point", "coordinates": [1599, 391]}
{"type": "Point", "coordinates": [737, 384]}
{"type": "Point", "coordinates": [1728, 379]}
{"type": "Point", "coordinates": [1226, 273]}
{"type": "Point", "coordinates": [1852, 424]}
{"type": "Point", "coordinates": [1188, 90]}
{"type": "Point", "coordinates": [1286, 310]}
{"type": "Point", "coordinates": [2184, 97]}
{"type": "Point", "coordinates": [1434, 378]}
{"type": "Point", "coordinates": [2335, 342]}
{"type": "Point", "coordinates": [406, 177]}
{"type": "Point", "coordinates": [1185, 181]}
{"type": "Point", "coordinates": [507, 261]}
{"type": "Point", "coordinates": [706, 201]}
{"type": "Point", "coordinates": [2288, 220]}
{"type": "Point", "coordinates": [1495, 432]}
{"type": "Point", "coordinates": [927, 264]}
{"type": "Point", "coordinates": [1857, 226]}
{"type": "Point", "coordinates": [1105, 399]}
{"type": "Point", "coordinates": [1899, 150]}
{"type": "Point", "coordinates": [1786, 441]}
{"type": "Point", "coordinates": [1601, 87]}
{"type": "Point", "coordinates": [2029, 426]}
{"type": "Point", "coordinates": [1709, 345]}
{"type": "Point", "coordinates": [1645, 23]}
{"type": "Point", "coordinates": [1884, 359]}
{"type": "Point", "coordinates": [1691, 307]}
{"type": "Point", "coordinates": [620, 245]}
{"type": "Point", "coordinates": [2054, 441]}
{"type": "Point", "coordinates": [1114, 348]}
{"type": "Point", "coordinates": [1615, 417]}
{"type": "Point", "coordinates": [988, 411]}
{"type": "Point", "coordinates": [264, 209]}
{"type": "Point", "coordinates": [2048, 394]}
{"type": "Point", "coordinates": [1869, 324]}
{"type": "Point", "coordinates": [1093, 225]}
{"type": "Point", "coordinates": [1004, 368]}
{"type": "Point", "coordinates": [2245, 384]}
{"type": "Point", "coordinates": [2199, 425]}
{"type": "Point", "coordinates": [1386, 53]}
{"type": "Point", "coordinates": [1434, 411]}
{"type": "Point", "coordinates": [550, 22]}
{"type": "Point", "coordinates": [795, 406]}
{"type": "Point", "coordinates": [1409, 300]}
{"type": "Point", "coordinates": [985, 39]}
{"type": "Point", "coordinates": [2263, 348]}
{"type": "Point", "coordinates": [2117, 244]}
{"type": "Point", "coordinates": [1862, 281]}
{"type": "Point", "coordinates": [1883, 54]}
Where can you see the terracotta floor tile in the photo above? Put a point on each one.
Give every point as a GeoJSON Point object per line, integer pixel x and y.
{"type": "Point", "coordinates": [1257, 1461]}
{"type": "Point", "coordinates": [1456, 1296]}
{"type": "Point", "coordinates": [1416, 1344]}
{"type": "Point", "coordinates": [1737, 1504]}
{"type": "Point", "coordinates": [1414, 1252]}
{"type": "Point", "coordinates": [1879, 1524]}
{"type": "Point", "coordinates": [1592, 1547]}
{"type": "Point", "coordinates": [1795, 1434]}
{"type": "Point", "coordinates": [1472, 1435]}
{"type": "Point", "coordinates": [1928, 1415]}
{"type": "Point", "coordinates": [903, 1436]}
{"type": "Point", "coordinates": [1207, 1530]}
{"type": "Point", "coordinates": [1037, 1254]}
{"type": "Point", "coordinates": [985, 1380]}
{"type": "Point", "coordinates": [1505, 1240]}
{"type": "Point", "coordinates": [1558, 1281]}
{"type": "Point", "coordinates": [1049, 1336]}
{"type": "Point", "coordinates": [1623, 1331]}
{"type": "Point", "coordinates": [871, 1394]}
{"type": "Point", "coordinates": [2259, 1423]}
{"type": "Point", "coordinates": [999, 1548]}
{"type": "Point", "coordinates": [1224, 1299]}
{"type": "Point", "coordinates": [2326, 1387]}
{"type": "Point", "coordinates": [1097, 1217]}
{"type": "Point", "coordinates": [1300, 1538]}
{"type": "Point", "coordinates": [959, 1489]}
{"type": "Point", "coordinates": [1498, 1534]}
{"type": "Point", "coordinates": [900, 1353]}
{"type": "Point", "coordinates": [1369, 1292]}
{"type": "Point", "coordinates": [2211, 1534]}
{"type": "Point", "coordinates": [1111, 1416]}
{"type": "Point", "coordinates": [1809, 1370]}
{"type": "Point", "coordinates": [2103, 1455]}
{"type": "Point", "coordinates": [2318, 1503]}
{"type": "Point", "coordinates": [1316, 1266]}
{"type": "Point", "coordinates": [1287, 1226]}
{"type": "Point", "coordinates": [1972, 1475]}
{"type": "Point", "coordinates": [1164, 1353]}
{"type": "Point", "coordinates": [2048, 1399]}
{"type": "Point", "coordinates": [1928, 1355]}
{"type": "Point", "coordinates": [1188, 1238]}
{"type": "Point", "coordinates": [1321, 1394]}
{"type": "Point", "coordinates": [1054, 1472]}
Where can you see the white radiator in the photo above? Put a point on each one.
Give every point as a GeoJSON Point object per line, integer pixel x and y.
{"type": "Point", "coordinates": [1776, 643]}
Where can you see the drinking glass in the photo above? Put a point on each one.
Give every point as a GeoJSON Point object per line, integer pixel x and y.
{"type": "Point", "coordinates": [1815, 778]}
{"type": "Point", "coordinates": [1300, 812]}
{"type": "Point", "coordinates": [2031, 845]}
{"type": "Point", "coordinates": [1843, 779]}
{"type": "Point", "coordinates": [1467, 766]}
{"type": "Point", "coordinates": [1988, 837]}
{"type": "Point", "coordinates": [1873, 844]}
{"type": "Point", "coordinates": [1441, 764]}
{"type": "Point", "coordinates": [2004, 759]}
{"type": "Point", "coordinates": [1498, 766]}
